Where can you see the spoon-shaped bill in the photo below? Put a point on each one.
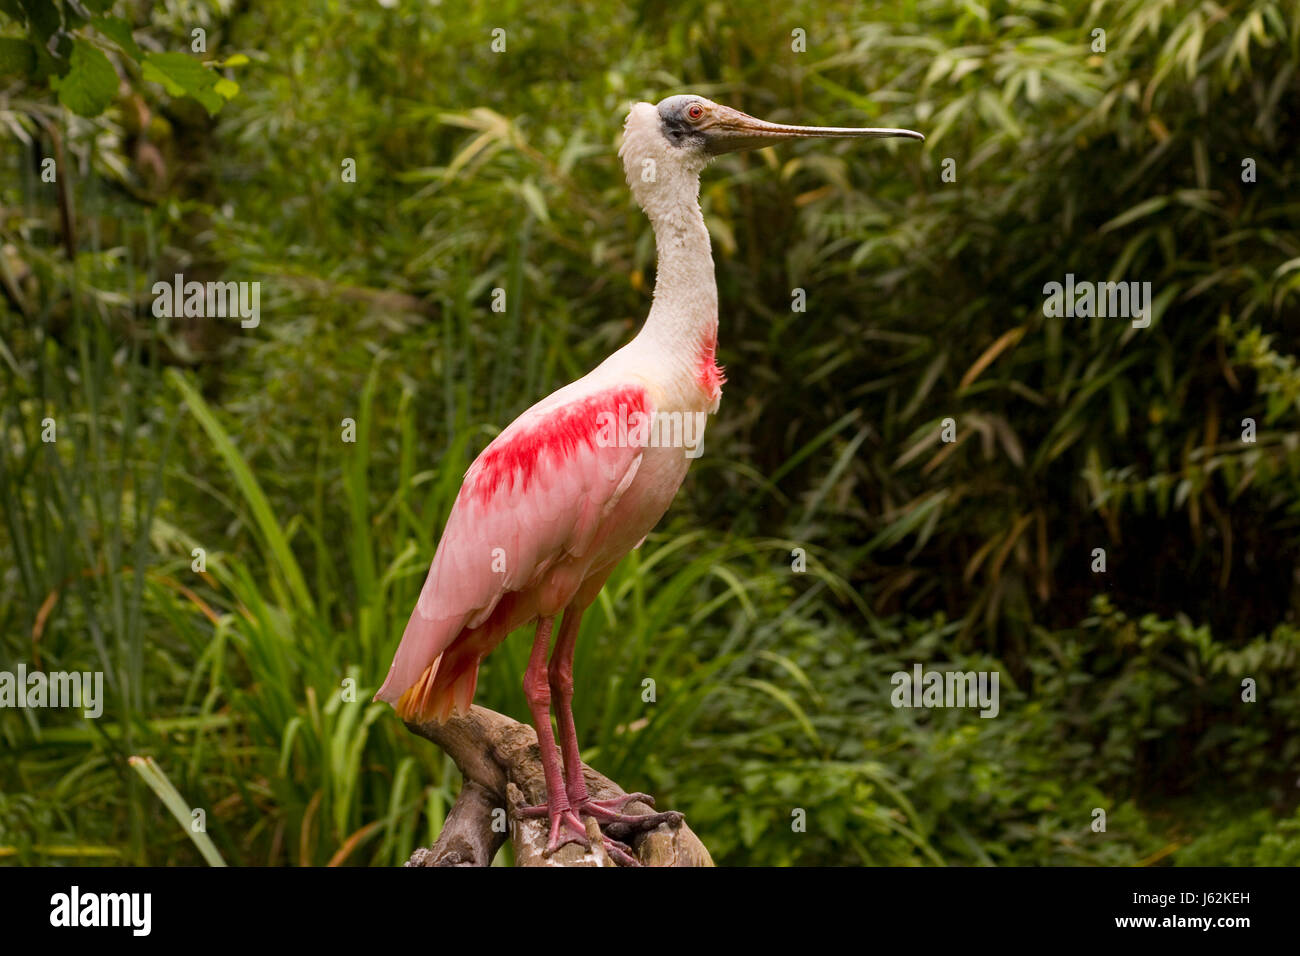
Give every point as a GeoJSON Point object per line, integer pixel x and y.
{"type": "Point", "coordinates": [732, 130]}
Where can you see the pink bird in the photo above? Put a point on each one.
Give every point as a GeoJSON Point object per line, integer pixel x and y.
{"type": "Point", "coordinates": [577, 481]}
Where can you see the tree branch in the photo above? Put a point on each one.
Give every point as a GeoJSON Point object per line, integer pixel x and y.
{"type": "Point", "coordinates": [499, 759]}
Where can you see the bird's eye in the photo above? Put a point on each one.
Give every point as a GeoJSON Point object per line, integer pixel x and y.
{"type": "Point", "coordinates": [695, 111]}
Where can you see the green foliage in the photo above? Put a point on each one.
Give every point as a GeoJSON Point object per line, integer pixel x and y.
{"type": "Point", "coordinates": [90, 83]}
{"type": "Point", "coordinates": [63, 45]}
{"type": "Point", "coordinates": [248, 684]}
{"type": "Point", "coordinates": [182, 75]}
{"type": "Point", "coordinates": [1246, 839]}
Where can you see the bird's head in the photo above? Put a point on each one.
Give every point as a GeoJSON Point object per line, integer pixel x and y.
{"type": "Point", "coordinates": [684, 132]}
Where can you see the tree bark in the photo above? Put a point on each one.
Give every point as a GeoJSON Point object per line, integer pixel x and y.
{"type": "Point", "coordinates": [499, 760]}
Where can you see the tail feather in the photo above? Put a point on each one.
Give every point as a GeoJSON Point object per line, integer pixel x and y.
{"type": "Point", "coordinates": [446, 685]}
{"type": "Point", "coordinates": [423, 643]}
{"type": "Point", "coordinates": [441, 692]}
{"type": "Point", "coordinates": [414, 703]}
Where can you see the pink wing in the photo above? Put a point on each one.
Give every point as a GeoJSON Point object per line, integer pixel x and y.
{"type": "Point", "coordinates": [535, 495]}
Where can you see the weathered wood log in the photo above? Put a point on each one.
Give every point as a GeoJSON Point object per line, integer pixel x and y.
{"type": "Point", "coordinates": [500, 762]}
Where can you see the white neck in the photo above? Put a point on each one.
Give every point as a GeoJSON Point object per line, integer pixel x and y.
{"type": "Point", "coordinates": [684, 316]}
{"type": "Point", "coordinates": [681, 333]}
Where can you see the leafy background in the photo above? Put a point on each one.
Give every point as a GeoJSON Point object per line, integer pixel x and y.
{"type": "Point", "coordinates": [1120, 690]}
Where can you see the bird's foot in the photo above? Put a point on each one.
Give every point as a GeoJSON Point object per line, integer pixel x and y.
{"type": "Point", "coordinates": [566, 828]}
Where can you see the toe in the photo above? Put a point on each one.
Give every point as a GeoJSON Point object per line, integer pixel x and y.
{"type": "Point", "coordinates": [620, 853]}
{"type": "Point", "coordinates": [618, 803]}
{"type": "Point", "coordinates": [566, 828]}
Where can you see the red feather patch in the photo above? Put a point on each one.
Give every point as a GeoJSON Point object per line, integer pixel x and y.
{"type": "Point", "coordinates": [512, 464]}
{"type": "Point", "coordinates": [711, 376]}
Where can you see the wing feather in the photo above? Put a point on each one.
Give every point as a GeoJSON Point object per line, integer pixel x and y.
{"type": "Point", "coordinates": [535, 496]}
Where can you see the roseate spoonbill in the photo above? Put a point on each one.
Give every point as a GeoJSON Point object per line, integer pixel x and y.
{"type": "Point", "coordinates": [552, 504]}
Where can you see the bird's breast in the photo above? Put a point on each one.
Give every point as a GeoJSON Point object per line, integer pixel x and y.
{"type": "Point", "coordinates": [647, 498]}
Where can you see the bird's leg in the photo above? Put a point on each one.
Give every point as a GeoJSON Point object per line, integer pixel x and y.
{"type": "Point", "coordinates": [560, 679]}
{"type": "Point", "coordinates": [538, 692]}
{"type": "Point", "coordinates": [560, 674]}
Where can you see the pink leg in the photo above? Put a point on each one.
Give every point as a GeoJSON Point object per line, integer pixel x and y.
{"type": "Point", "coordinates": [560, 675]}
{"type": "Point", "coordinates": [538, 693]}
{"type": "Point", "coordinates": [560, 678]}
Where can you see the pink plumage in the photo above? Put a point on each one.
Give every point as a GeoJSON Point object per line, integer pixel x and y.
{"type": "Point", "coordinates": [537, 518]}
{"type": "Point", "coordinates": [551, 506]}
